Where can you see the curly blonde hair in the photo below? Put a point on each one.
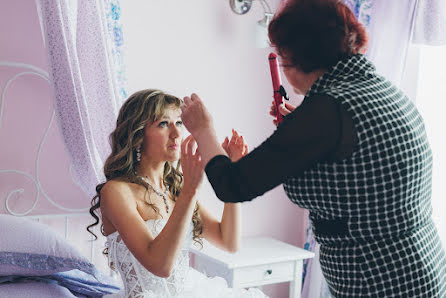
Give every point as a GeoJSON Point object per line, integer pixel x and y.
{"type": "Point", "coordinates": [141, 107]}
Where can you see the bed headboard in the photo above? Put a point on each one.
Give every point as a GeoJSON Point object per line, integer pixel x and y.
{"type": "Point", "coordinates": [35, 171]}
{"type": "Point", "coordinates": [72, 226]}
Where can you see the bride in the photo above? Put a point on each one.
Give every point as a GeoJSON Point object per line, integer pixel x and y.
{"type": "Point", "coordinates": [149, 209]}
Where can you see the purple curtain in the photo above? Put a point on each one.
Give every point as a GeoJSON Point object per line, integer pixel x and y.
{"type": "Point", "coordinates": [83, 41]}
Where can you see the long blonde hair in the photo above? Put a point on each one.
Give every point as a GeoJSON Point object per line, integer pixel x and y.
{"type": "Point", "coordinates": [141, 107]}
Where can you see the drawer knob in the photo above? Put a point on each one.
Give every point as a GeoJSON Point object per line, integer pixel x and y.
{"type": "Point", "coordinates": [269, 271]}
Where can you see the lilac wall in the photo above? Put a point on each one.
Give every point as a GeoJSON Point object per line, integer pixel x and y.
{"type": "Point", "coordinates": [178, 46]}
{"type": "Point", "coordinates": [30, 140]}
{"type": "Point", "coordinates": [202, 46]}
{"type": "Point", "coordinates": [34, 167]}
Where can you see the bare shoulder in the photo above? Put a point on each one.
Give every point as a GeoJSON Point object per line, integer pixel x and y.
{"type": "Point", "coordinates": [119, 194]}
{"type": "Point", "coordinates": [115, 185]}
{"type": "Point", "coordinates": [115, 188]}
{"type": "Point", "coordinates": [118, 200]}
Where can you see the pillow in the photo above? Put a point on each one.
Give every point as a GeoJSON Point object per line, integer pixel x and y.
{"type": "Point", "coordinates": [33, 249]}
{"type": "Point", "coordinates": [30, 251]}
{"type": "Point", "coordinates": [74, 282]}
{"type": "Point", "coordinates": [32, 289]}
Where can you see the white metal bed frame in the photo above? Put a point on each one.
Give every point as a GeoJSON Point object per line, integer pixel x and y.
{"type": "Point", "coordinates": [17, 194]}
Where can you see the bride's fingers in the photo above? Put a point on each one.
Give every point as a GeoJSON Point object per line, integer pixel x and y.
{"type": "Point", "coordinates": [185, 145]}
{"type": "Point", "coordinates": [197, 155]}
{"type": "Point", "coordinates": [242, 141]}
{"type": "Point", "coordinates": [233, 140]}
{"type": "Point", "coordinates": [191, 146]}
{"type": "Point", "coordinates": [245, 150]}
{"type": "Point", "coordinates": [225, 143]}
{"type": "Point", "coordinates": [195, 150]}
{"type": "Point", "coordinates": [236, 136]}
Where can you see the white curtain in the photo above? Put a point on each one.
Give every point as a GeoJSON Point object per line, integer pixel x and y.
{"type": "Point", "coordinates": [394, 26]}
{"type": "Point", "coordinates": [390, 31]}
{"type": "Point", "coordinates": [430, 23]}
{"type": "Point", "coordinates": [86, 85]}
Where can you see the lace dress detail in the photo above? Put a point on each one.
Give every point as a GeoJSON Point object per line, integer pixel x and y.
{"type": "Point", "coordinates": [184, 282]}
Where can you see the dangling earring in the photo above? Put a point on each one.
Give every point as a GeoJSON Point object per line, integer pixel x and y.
{"type": "Point", "coordinates": [138, 153]}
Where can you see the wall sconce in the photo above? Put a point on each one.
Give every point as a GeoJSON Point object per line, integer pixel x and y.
{"type": "Point", "coordinates": [261, 30]}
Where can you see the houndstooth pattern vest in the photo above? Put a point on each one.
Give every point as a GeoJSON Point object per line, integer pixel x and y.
{"type": "Point", "coordinates": [383, 189]}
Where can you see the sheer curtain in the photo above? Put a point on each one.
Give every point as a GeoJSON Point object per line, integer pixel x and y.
{"type": "Point", "coordinates": [430, 23]}
{"type": "Point", "coordinates": [83, 41]}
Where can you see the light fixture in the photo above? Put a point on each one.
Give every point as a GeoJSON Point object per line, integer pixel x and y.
{"type": "Point", "coordinates": [240, 6]}
{"type": "Point", "coordinates": [261, 29]}
{"type": "Point", "coordinates": [243, 6]}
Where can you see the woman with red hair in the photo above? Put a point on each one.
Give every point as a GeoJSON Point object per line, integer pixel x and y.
{"type": "Point", "coordinates": [354, 153]}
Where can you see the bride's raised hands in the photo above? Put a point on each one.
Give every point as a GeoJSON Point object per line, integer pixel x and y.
{"type": "Point", "coordinates": [236, 148]}
{"type": "Point", "coordinates": [191, 165]}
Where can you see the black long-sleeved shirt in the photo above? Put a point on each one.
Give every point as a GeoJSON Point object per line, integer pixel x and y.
{"type": "Point", "coordinates": [320, 129]}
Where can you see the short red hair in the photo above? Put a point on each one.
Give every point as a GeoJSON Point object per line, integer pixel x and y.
{"type": "Point", "coordinates": [316, 34]}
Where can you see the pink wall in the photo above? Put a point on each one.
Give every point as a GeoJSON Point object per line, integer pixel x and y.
{"type": "Point", "coordinates": [202, 46]}
{"type": "Point", "coordinates": [30, 141]}
{"type": "Point", "coordinates": [31, 149]}
{"type": "Point", "coordinates": [181, 47]}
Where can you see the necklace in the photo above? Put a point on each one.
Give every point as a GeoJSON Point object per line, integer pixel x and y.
{"type": "Point", "coordinates": [161, 194]}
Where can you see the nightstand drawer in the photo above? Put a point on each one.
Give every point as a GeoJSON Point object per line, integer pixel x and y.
{"type": "Point", "coordinates": [260, 261]}
{"type": "Point", "coordinates": [263, 274]}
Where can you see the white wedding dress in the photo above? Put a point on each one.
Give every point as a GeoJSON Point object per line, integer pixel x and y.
{"type": "Point", "coordinates": [184, 282]}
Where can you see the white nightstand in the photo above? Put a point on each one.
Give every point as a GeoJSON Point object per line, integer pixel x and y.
{"type": "Point", "coordinates": [260, 261]}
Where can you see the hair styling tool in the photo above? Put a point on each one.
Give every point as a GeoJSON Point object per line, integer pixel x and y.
{"type": "Point", "coordinates": [279, 91]}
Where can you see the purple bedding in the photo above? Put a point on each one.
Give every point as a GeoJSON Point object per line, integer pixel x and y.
{"type": "Point", "coordinates": [34, 289]}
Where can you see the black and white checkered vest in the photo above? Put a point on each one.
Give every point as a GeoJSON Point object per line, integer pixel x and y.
{"type": "Point", "coordinates": [383, 189]}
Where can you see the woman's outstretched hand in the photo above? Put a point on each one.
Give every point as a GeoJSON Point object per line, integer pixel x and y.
{"type": "Point", "coordinates": [284, 109]}
{"type": "Point", "coordinates": [191, 165]}
{"type": "Point", "coordinates": [195, 116]}
{"type": "Point", "coordinates": [236, 148]}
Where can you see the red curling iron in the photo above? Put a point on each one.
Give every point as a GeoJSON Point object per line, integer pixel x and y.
{"type": "Point", "coordinates": [279, 91]}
